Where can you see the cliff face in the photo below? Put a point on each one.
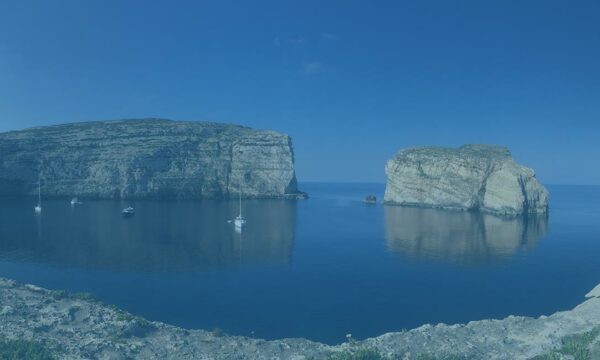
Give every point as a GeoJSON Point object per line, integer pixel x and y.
{"type": "Point", "coordinates": [472, 177]}
{"type": "Point", "coordinates": [147, 158]}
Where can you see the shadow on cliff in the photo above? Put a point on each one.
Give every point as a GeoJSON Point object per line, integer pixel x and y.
{"type": "Point", "coordinates": [459, 236]}
{"type": "Point", "coordinates": [163, 236]}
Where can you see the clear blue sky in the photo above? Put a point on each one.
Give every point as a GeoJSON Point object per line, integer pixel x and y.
{"type": "Point", "coordinates": [351, 81]}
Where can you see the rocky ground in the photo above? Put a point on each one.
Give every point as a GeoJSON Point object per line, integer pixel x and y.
{"type": "Point", "coordinates": [78, 327]}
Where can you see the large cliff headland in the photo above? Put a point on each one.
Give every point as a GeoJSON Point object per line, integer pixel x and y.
{"type": "Point", "coordinates": [471, 177]}
{"type": "Point", "coordinates": [147, 158]}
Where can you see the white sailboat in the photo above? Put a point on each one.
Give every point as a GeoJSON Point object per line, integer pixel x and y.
{"type": "Point", "coordinates": [240, 221]}
{"type": "Point", "coordinates": [38, 207]}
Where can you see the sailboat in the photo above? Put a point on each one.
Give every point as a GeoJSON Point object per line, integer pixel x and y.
{"type": "Point", "coordinates": [239, 221]}
{"type": "Point", "coordinates": [38, 207]}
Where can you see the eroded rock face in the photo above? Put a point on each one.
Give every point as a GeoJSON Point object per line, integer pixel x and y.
{"type": "Point", "coordinates": [471, 177]}
{"type": "Point", "coordinates": [147, 158]}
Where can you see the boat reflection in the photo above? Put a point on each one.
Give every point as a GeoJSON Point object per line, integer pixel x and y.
{"type": "Point", "coordinates": [163, 236]}
{"type": "Point", "coordinates": [459, 237]}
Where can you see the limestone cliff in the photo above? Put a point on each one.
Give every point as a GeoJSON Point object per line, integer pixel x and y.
{"type": "Point", "coordinates": [471, 177]}
{"type": "Point", "coordinates": [147, 158]}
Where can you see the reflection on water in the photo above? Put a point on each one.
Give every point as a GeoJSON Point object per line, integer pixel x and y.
{"type": "Point", "coordinates": [179, 236]}
{"type": "Point", "coordinates": [180, 262]}
{"type": "Point", "coordinates": [459, 237]}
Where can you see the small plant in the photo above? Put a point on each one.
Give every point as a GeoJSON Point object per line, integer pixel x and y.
{"type": "Point", "coordinates": [122, 316]}
{"type": "Point", "coordinates": [23, 349]}
{"type": "Point", "coordinates": [84, 296]}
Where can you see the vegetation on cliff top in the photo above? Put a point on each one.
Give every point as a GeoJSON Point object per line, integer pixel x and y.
{"type": "Point", "coordinates": [577, 347]}
{"type": "Point", "coordinates": [23, 349]}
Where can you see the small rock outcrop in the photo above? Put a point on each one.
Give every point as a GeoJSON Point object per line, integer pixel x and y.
{"type": "Point", "coordinates": [370, 199]}
{"type": "Point", "coordinates": [471, 177]}
{"type": "Point", "coordinates": [147, 158]}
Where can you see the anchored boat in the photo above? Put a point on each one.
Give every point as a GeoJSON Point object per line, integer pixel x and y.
{"type": "Point", "coordinates": [240, 221]}
{"type": "Point", "coordinates": [128, 211]}
{"type": "Point", "coordinates": [38, 207]}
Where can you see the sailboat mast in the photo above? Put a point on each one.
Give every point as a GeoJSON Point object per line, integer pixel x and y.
{"type": "Point", "coordinates": [40, 192]}
{"type": "Point", "coordinates": [240, 202]}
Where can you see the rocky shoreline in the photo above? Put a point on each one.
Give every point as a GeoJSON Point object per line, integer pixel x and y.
{"type": "Point", "coordinates": [79, 327]}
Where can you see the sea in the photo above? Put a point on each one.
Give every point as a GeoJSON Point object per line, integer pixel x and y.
{"type": "Point", "coordinates": [318, 268]}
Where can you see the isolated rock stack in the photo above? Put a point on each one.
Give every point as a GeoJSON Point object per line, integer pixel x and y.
{"type": "Point", "coordinates": [471, 177]}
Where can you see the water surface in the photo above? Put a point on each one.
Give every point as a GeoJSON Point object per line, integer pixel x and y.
{"type": "Point", "coordinates": [318, 268]}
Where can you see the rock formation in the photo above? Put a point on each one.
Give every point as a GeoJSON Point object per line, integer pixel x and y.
{"type": "Point", "coordinates": [471, 177]}
{"type": "Point", "coordinates": [370, 199]}
{"type": "Point", "coordinates": [147, 158]}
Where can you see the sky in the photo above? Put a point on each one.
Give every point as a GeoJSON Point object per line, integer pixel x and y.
{"type": "Point", "coordinates": [351, 82]}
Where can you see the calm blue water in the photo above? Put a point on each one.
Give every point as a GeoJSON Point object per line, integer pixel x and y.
{"type": "Point", "coordinates": [319, 268]}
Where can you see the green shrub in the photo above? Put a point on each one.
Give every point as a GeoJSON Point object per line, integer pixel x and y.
{"type": "Point", "coordinates": [576, 346]}
{"type": "Point", "coordinates": [23, 349]}
{"type": "Point", "coordinates": [83, 296]}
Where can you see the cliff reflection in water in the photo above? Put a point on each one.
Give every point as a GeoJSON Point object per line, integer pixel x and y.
{"type": "Point", "coordinates": [162, 236]}
{"type": "Point", "coordinates": [459, 237]}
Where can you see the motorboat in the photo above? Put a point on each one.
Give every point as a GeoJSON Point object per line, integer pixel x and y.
{"type": "Point", "coordinates": [128, 211]}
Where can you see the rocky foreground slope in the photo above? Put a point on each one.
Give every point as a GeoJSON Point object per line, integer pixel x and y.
{"type": "Point", "coordinates": [76, 327]}
{"type": "Point", "coordinates": [471, 177]}
{"type": "Point", "coordinates": [147, 158]}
